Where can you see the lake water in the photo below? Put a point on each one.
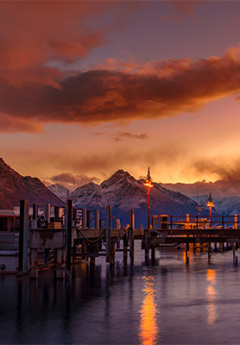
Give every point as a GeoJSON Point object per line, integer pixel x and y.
{"type": "Point", "coordinates": [170, 303]}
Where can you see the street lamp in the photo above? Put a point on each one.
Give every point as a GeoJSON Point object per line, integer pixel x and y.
{"type": "Point", "coordinates": [149, 185]}
{"type": "Point", "coordinates": [210, 204]}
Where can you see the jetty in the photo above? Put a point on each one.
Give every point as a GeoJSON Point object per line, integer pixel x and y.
{"type": "Point", "coordinates": [73, 235]}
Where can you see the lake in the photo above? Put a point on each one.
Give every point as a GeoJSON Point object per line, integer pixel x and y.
{"type": "Point", "coordinates": [169, 303]}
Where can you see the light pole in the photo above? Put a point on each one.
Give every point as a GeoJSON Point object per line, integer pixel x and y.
{"type": "Point", "coordinates": [210, 204]}
{"type": "Point", "coordinates": [149, 185]}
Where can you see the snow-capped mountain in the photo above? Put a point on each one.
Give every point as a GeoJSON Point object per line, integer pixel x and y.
{"type": "Point", "coordinates": [228, 206]}
{"type": "Point", "coordinates": [14, 187]}
{"type": "Point", "coordinates": [123, 192]}
{"type": "Point", "coordinates": [59, 190]}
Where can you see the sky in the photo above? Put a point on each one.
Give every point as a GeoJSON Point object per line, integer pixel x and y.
{"type": "Point", "coordinates": [90, 87]}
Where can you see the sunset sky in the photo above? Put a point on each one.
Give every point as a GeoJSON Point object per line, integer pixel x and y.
{"type": "Point", "coordinates": [87, 88]}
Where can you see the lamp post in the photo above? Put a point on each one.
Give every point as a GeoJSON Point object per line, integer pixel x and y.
{"type": "Point", "coordinates": [149, 185]}
{"type": "Point", "coordinates": [210, 204]}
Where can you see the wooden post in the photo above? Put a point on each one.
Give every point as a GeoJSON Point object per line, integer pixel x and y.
{"type": "Point", "coordinates": [60, 272]}
{"type": "Point", "coordinates": [84, 218]}
{"type": "Point", "coordinates": [108, 233]}
{"type": "Point", "coordinates": [88, 219]}
{"type": "Point", "coordinates": [125, 246]}
{"type": "Point", "coordinates": [68, 237]}
{"type": "Point", "coordinates": [131, 236]}
{"type": "Point", "coordinates": [23, 237]}
{"type": "Point", "coordinates": [97, 219]}
{"type": "Point", "coordinates": [234, 255]}
{"type": "Point", "coordinates": [209, 251]}
{"type": "Point", "coordinates": [46, 257]}
{"type": "Point", "coordinates": [56, 214]}
{"type": "Point", "coordinates": [34, 264]}
{"type": "Point", "coordinates": [92, 261]}
{"type": "Point", "coordinates": [47, 213]}
{"type": "Point", "coordinates": [187, 257]}
{"type": "Point", "coordinates": [113, 254]}
{"type": "Point", "coordinates": [35, 216]}
{"type": "Point", "coordinates": [146, 238]}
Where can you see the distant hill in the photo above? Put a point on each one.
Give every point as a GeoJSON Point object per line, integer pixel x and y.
{"type": "Point", "coordinates": [123, 192]}
{"type": "Point", "coordinates": [14, 187]}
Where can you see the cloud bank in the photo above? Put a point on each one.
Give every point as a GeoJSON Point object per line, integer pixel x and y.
{"type": "Point", "coordinates": [100, 96]}
{"type": "Point", "coordinates": [38, 38]}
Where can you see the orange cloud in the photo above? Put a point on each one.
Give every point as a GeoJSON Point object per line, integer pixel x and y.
{"type": "Point", "coordinates": [36, 36]}
{"type": "Point", "coordinates": [97, 96]}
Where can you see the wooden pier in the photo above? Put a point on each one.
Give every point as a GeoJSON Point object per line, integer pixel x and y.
{"type": "Point", "coordinates": [69, 241]}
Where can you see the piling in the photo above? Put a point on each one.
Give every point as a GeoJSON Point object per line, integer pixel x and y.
{"type": "Point", "coordinates": [34, 264]}
{"type": "Point", "coordinates": [47, 214]}
{"type": "Point", "coordinates": [56, 214]}
{"type": "Point", "coordinates": [125, 246]}
{"type": "Point", "coordinates": [84, 218]}
{"type": "Point", "coordinates": [108, 234]}
{"type": "Point", "coordinates": [23, 238]}
{"type": "Point", "coordinates": [69, 213]}
{"type": "Point", "coordinates": [146, 240]}
{"type": "Point", "coordinates": [234, 254]}
{"type": "Point", "coordinates": [60, 265]}
{"type": "Point", "coordinates": [209, 251]}
{"type": "Point", "coordinates": [131, 236]}
{"type": "Point", "coordinates": [35, 216]}
{"type": "Point", "coordinates": [97, 219]}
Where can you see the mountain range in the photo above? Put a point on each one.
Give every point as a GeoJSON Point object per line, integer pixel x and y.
{"type": "Point", "coordinates": [123, 192]}
{"type": "Point", "coordinates": [14, 187]}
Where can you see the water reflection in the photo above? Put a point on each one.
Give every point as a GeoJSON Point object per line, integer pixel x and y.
{"type": "Point", "coordinates": [211, 297]}
{"type": "Point", "coordinates": [148, 323]}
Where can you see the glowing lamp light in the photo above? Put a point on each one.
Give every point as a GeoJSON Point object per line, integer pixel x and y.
{"type": "Point", "coordinates": [210, 204]}
{"type": "Point", "coordinates": [148, 183]}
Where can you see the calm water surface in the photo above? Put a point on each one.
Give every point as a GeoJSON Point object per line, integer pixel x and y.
{"type": "Point", "coordinates": [170, 303]}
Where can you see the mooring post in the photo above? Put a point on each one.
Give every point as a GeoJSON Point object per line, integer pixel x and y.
{"type": "Point", "coordinates": [97, 219]}
{"type": "Point", "coordinates": [56, 214]}
{"type": "Point", "coordinates": [34, 264]}
{"type": "Point", "coordinates": [69, 213]}
{"type": "Point", "coordinates": [131, 236]}
{"type": "Point", "coordinates": [146, 240]}
{"type": "Point", "coordinates": [113, 254]}
{"type": "Point", "coordinates": [108, 233]}
{"type": "Point", "coordinates": [209, 251]}
{"type": "Point", "coordinates": [35, 216]}
{"type": "Point", "coordinates": [60, 266]}
{"type": "Point", "coordinates": [125, 246]}
{"type": "Point", "coordinates": [234, 254]}
{"type": "Point", "coordinates": [187, 257]}
{"type": "Point", "coordinates": [47, 214]}
{"type": "Point", "coordinates": [23, 238]}
{"type": "Point", "coordinates": [84, 218]}
{"type": "Point", "coordinates": [88, 219]}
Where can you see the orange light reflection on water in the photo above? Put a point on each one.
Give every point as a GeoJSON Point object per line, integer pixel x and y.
{"type": "Point", "coordinates": [211, 297]}
{"type": "Point", "coordinates": [148, 323]}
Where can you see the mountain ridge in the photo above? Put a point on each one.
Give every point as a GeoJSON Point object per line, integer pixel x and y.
{"type": "Point", "coordinates": [15, 187]}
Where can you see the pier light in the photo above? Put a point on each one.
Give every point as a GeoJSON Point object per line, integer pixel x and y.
{"type": "Point", "coordinates": [148, 183]}
{"type": "Point", "coordinates": [210, 204]}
